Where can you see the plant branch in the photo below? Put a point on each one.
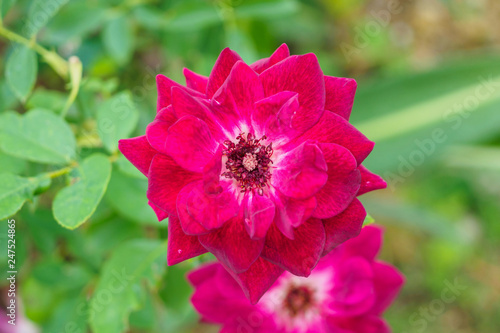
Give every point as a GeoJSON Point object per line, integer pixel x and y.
{"type": "Point", "coordinates": [53, 59]}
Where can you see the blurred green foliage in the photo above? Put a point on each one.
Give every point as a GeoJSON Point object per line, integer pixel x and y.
{"type": "Point", "coordinates": [77, 75]}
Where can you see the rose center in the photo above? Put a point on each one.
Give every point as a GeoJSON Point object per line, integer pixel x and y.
{"type": "Point", "coordinates": [248, 162]}
{"type": "Point", "coordinates": [298, 300]}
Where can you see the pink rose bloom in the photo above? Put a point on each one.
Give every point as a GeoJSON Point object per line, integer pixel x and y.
{"type": "Point", "coordinates": [257, 164]}
{"type": "Point", "coordinates": [346, 293]}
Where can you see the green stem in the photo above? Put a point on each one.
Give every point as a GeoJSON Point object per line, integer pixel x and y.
{"type": "Point", "coordinates": [58, 173]}
{"type": "Point", "coordinates": [53, 59]}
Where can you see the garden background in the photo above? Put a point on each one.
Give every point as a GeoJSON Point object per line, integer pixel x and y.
{"type": "Point", "coordinates": [428, 75]}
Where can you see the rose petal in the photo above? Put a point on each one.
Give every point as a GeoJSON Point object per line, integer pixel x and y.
{"type": "Point", "coordinates": [332, 128]}
{"type": "Point", "coordinates": [160, 213]}
{"type": "Point", "coordinates": [189, 224]}
{"type": "Point", "coordinates": [203, 273]}
{"type": "Point", "coordinates": [257, 279]}
{"type": "Point", "coordinates": [370, 181]}
{"type": "Point", "coordinates": [367, 244]}
{"type": "Point", "coordinates": [280, 54]}
{"type": "Point", "coordinates": [259, 215]}
{"type": "Point", "coordinates": [195, 81]}
{"type": "Point", "coordinates": [164, 86]}
{"type": "Point", "coordinates": [138, 152]}
{"type": "Point", "coordinates": [353, 290]}
{"type": "Point", "coordinates": [298, 256]}
{"type": "Point", "coordinates": [209, 301]}
{"type": "Point", "coordinates": [190, 143]}
{"type": "Point", "coordinates": [340, 95]}
{"type": "Point", "coordinates": [388, 282]}
{"type": "Point", "coordinates": [211, 210]}
{"type": "Point", "coordinates": [290, 212]}
{"type": "Point", "coordinates": [301, 74]}
{"type": "Point", "coordinates": [273, 115]}
{"type": "Point", "coordinates": [344, 226]}
{"type": "Point", "coordinates": [232, 245]}
{"type": "Point", "coordinates": [301, 173]}
{"type": "Point", "coordinates": [221, 70]}
{"type": "Point", "coordinates": [185, 104]}
{"type": "Point", "coordinates": [181, 246]}
{"type": "Point", "coordinates": [165, 180]}
{"type": "Point", "coordinates": [157, 131]}
{"type": "Point", "coordinates": [244, 86]}
{"type": "Point", "coordinates": [343, 181]}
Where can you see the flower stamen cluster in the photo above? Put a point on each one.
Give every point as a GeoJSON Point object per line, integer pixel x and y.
{"type": "Point", "coordinates": [248, 162]}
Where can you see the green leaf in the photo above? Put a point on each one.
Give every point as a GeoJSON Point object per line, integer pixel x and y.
{"type": "Point", "coordinates": [189, 16]}
{"type": "Point", "coordinates": [70, 315]}
{"type": "Point", "coordinates": [73, 205]}
{"type": "Point", "coordinates": [118, 39]}
{"type": "Point", "coordinates": [39, 14]}
{"type": "Point", "coordinates": [5, 5]}
{"type": "Point", "coordinates": [7, 97]}
{"type": "Point", "coordinates": [43, 229]}
{"type": "Point", "coordinates": [47, 99]}
{"type": "Point", "coordinates": [176, 290]}
{"type": "Point", "coordinates": [120, 289]}
{"type": "Point", "coordinates": [14, 191]}
{"type": "Point", "coordinates": [264, 9]}
{"type": "Point", "coordinates": [127, 195]}
{"type": "Point", "coordinates": [76, 20]}
{"type": "Point", "coordinates": [11, 164]}
{"type": "Point", "coordinates": [418, 116]}
{"type": "Point", "coordinates": [38, 136]}
{"type": "Point", "coordinates": [21, 70]}
{"type": "Point", "coordinates": [116, 119]}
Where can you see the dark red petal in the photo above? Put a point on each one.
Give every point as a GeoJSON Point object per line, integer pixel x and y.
{"type": "Point", "coordinates": [340, 95]}
{"type": "Point", "coordinates": [244, 86]}
{"type": "Point", "coordinates": [160, 213]}
{"type": "Point", "coordinates": [212, 172]}
{"type": "Point", "coordinates": [185, 104]}
{"type": "Point", "coordinates": [138, 152]}
{"type": "Point", "coordinates": [388, 281]}
{"type": "Point", "coordinates": [257, 279]}
{"type": "Point", "coordinates": [370, 181]}
{"type": "Point", "coordinates": [164, 86]}
{"type": "Point", "coordinates": [190, 143]}
{"type": "Point", "coordinates": [189, 224]}
{"type": "Point", "coordinates": [232, 245]}
{"type": "Point", "coordinates": [298, 256]}
{"type": "Point", "coordinates": [343, 181]}
{"type": "Point", "coordinates": [301, 74]}
{"type": "Point", "coordinates": [259, 215]}
{"type": "Point", "coordinates": [281, 53]}
{"type": "Point", "coordinates": [166, 180]}
{"type": "Point", "coordinates": [332, 128]}
{"type": "Point", "coordinates": [301, 173]}
{"type": "Point", "coordinates": [221, 70]}
{"type": "Point", "coordinates": [273, 116]}
{"type": "Point", "coordinates": [195, 81]}
{"type": "Point", "coordinates": [211, 210]}
{"type": "Point", "coordinates": [344, 226]}
{"type": "Point", "coordinates": [290, 212]}
{"type": "Point", "coordinates": [156, 132]}
{"type": "Point", "coordinates": [181, 246]}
